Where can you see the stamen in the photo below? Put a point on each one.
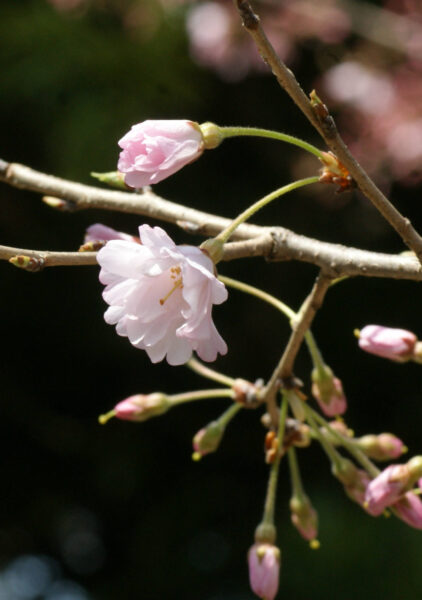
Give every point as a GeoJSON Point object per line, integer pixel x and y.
{"type": "Point", "coordinates": [178, 283]}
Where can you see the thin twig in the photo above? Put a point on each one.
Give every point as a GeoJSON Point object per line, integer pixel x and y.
{"type": "Point", "coordinates": [300, 326]}
{"type": "Point", "coordinates": [328, 130]}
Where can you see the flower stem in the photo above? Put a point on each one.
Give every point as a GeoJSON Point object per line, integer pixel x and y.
{"type": "Point", "coordinates": [283, 308]}
{"type": "Point", "coordinates": [268, 517]}
{"type": "Point", "coordinates": [297, 487]}
{"type": "Point", "coordinates": [249, 289]}
{"type": "Point", "coordinates": [360, 457]}
{"type": "Point", "coordinates": [228, 414]}
{"type": "Point", "coordinates": [224, 235]}
{"type": "Point", "coordinates": [267, 133]}
{"type": "Point", "coordinates": [200, 395]}
{"type": "Point", "coordinates": [328, 448]}
{"type": "Point", "coordinates": [204, 371]}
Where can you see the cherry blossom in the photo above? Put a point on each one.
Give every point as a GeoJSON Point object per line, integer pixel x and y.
{"type": "Point", "coordinates": [161, 296]}
{"type": "Point", "coordinates": [153, 150]}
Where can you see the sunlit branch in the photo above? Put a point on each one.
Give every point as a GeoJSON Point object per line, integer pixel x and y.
{"type": "Point", "coordinates": [275, 243]}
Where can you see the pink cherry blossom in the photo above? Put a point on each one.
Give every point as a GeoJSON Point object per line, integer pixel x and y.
{"type": "Point", "coordinates": [395, 344]}
{"type": "Point", "coordinates": [153, 150]}
{"type": "Point", "coordinates": [161, 296]}
{"type": "Point", "coordinates": [264, 570]}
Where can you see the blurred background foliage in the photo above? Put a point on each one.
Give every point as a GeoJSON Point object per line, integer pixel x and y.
{"type": "Point", "coordinates": [99, 513]}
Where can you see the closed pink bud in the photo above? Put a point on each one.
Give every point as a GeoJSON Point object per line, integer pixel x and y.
{"type": "Point", "coordinates": [142, 407]}
{"type": "Point", "coordinates": [386, 489]}
{"type": "Point", "coordinates": [395, 344]}
{"type": "Point", "coordinates": [304, 517]}
{"type": "Point", "coordinates": [409, 510]}
{"type": "Point", "coordinates": [264, 570]}
{"type": "Point", "coordinates": [153, 150]}
{"type": "Point", "coordinates": [357, 489]}
{"type": "Point", "coordinates": [328, 392]}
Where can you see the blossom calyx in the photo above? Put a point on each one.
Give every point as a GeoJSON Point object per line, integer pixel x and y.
{"type": "Point", "coordinates": [394, 344]}
{"type": "Point", "coordinates": [154, 150]}
{"type": "Point", "coordinates": [384, 446]}
{"type": "Point", "coordinates": [304, 517]}
{"type": "Point", "coordinates": [328, 391]}
{"type": "Point", "coordinates": [264, 570]}
{"type": "Point", "coordinates": [214, 248]}
{"type": "Point", "coordinates": [141, 407]}
{"type": "Point", "coordinates": [212, 135]}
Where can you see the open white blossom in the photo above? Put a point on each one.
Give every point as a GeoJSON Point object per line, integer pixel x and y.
{"type": "Point", "coordinates": [161, 296]}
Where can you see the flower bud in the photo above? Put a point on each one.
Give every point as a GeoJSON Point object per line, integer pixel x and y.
{"type": "Point", "coordinates": [154, 150]}
{"type": "Point", "coordinates": [207, 439]}
{"type": "Point", "coordinates": [304, 517]}
{"type": "Point", "coordinates": [357, 488]}
{"type": "Point", "coordinates": [328, 392]}
{"type": "Point", "coordinates": [384, 446]}
{"type": "Point", "coordinates": [139, 407]}
{"type": "Point", "coordinates": [409, 510]}
{"type": "Point", "coordinates": [264, 570]}
{"type": "Point", "coordinates": [31, 264]}
{"type": "Point", "coordinates": [60, 204]}
{"type": "Point", "coordinates": [392, 483]}
{"type": "Point", "coordinates": [395, 344]}
{"type": "Point", "coordinates": [101, 233]}
{"type": "Point", "coordinates": [339, 426]}
{"type": "Point", "coordinates": [354, 480]}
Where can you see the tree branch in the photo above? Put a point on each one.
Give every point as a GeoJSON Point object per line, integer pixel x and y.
{"type": "Point", "coordinates": [300, 326]}
{"type": "Point", "coordinates": [327, 129]}
{"type": "Point", "coordinates": [275, 243]}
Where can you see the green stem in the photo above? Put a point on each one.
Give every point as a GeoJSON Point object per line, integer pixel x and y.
{"type": "Point", "coordinates": [224, 235]}
{"type": "Point", "coordinates": [228, 415]}
{"type": "Point", "coordinates": [267, 133]}
{"type": "Point", "coordinates": [297, 486]}
{"type": "Point", "coordinates": [200, 395]}
{"type": "Point", "coordinates": [253, 291]}
{"type": "Point", "coordinates": [360, 457]}
{"type": "Point", "coordinates": [268, 517]}
{"type": "Point", "coordinates": [204, 371]}
{"type": "Point", "coordinates": [328, 448]}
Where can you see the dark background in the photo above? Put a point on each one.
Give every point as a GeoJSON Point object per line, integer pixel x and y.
{"type": "Point", "coordinates": [121, 511]}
